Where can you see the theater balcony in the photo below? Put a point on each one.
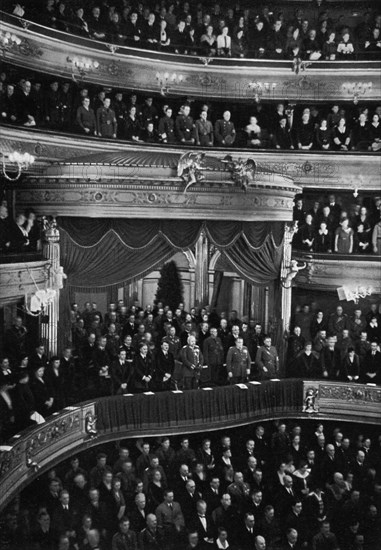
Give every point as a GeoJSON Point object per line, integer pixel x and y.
{"type": "Point", "coordinates": [329, 272]}
{"type": "Point", "coordinates": [55, 152]}
{"type": "Point", "coordinates": [54, 52]}
{"type": "Point", "coordinates": [34, 451]}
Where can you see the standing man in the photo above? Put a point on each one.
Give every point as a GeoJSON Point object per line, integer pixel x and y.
{"type": "Point", "coordinates": [238, 362]}
{"type": "Point", "coordinates": [164, 367]}
{"type": "Point", "coordinates": [106, 120]}
{"type": "Point", "coordinates": [192, 360]}
{"type": "Point", "coordinates": [267, 360]}
{"type": "Point", "coordinates": [224, 130]}
{"type": "Point", "coordinates": [214, 357]}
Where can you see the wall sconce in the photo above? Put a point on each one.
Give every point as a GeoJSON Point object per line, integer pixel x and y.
{"type": "Point", "coordinates": [261, 89]}
{"type": "Point", "coordinates": [9, 40]}
{"type": "Point", "coordinates": [354, 293]}
{"type": "Point", "coordinates": [22, 162]}
{"type": "Point", "coordinates": [165, 80]}
{"type": "Point", "coordinates": [356, 89]}
{"type": "Point", "coordinates": [82, 64]}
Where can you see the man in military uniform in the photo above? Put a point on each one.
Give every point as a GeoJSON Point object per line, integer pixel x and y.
{"type": "Point", "coordinates": [192, 360]}
{"type": "Point", "coordinates": [120, 110]}
{"type": "Point", "coordinates": [204, 131]}
{"type": "Point", "coordinates": [166, 127]}
{"type": "Point", "coordinates": [214, 357]}
{"type": "Point", "coordinates": [238, 362]}
{"type": "Point", "coordinates": [106, 120]}
{"type": "Point", "coordinates": [86, 118]}
{"type": "Point", "coordinates": [185, 126]}
{"type": "Point", "coordinates": [267, 360]}
{"type": "Point", "coordinates": [53, 106]}
{"type": "Point", "coordinates": [224, 130]}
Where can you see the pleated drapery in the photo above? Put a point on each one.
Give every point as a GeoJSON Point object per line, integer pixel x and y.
{"type": "Point", "coordinates": [98, 253]}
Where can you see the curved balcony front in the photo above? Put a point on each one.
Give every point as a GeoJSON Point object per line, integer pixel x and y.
{"type": "Point", "coordinates": [307, 169]}
{"type": "Point", "coordinates": [327, 272]}
{"type": "Point", "coordinates": [55, 52]}
{"type": "Point", "coordinates": [34, 451]}
{"type": "Point", "coordinates": [20, 275]}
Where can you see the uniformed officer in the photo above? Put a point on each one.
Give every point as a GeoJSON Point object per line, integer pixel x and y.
{"type": "Point", "coordinates": [214, 357]}
{"type": "Point", "coordinates": [224, 130]}
{"type": "Point", "coordinates": [204, 131]}
{"type": "Point", "coordinates": [106, 120]}
{"type": "Point", "coordinates": [185, 126]}
{"type": "Point", "coordinates": [238, 362]}
{"type": "Point", "coordinates": [267, 360]}
{"type": "Point", "coordinates": [120, 110]}
{"type": "Point", "coordinates": [167, 127]}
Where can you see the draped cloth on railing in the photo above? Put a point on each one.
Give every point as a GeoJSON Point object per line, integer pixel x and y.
{"type": "Point", "coordinates": [104, 252]}
{"type": "Point", "coordinates": [169, 412]}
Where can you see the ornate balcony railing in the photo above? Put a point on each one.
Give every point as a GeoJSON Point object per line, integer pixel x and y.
{"type": "Point", "coordinates": [333, 271]}
{"type": "Point", "coordinates": [35, 450]}
{"type": "Point", "coordinates": [21, 277]}
{"type": "Point", "coordinates": [54, 52]}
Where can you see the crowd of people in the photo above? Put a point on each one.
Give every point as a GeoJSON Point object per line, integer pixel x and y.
{"type": "Point", "coordinates": [328, 227]}
{"type": "Point", "coordinates": [22, 234]}
{"type": "Point", "coordinates": [131, 350]}
{"type": "Point", "coordinates": [215, 30]}
{"type": "Point", "coordinates": [336, 346]}
{"type": "Point", "coordinates": [60, 105]}
{"type": "Point", "coordinates": [266, 487]}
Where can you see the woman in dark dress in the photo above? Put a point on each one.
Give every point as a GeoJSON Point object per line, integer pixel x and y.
{"type": "Point", "coordinates": [133, 126]}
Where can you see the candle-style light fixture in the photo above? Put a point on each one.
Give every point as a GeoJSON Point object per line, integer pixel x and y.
{"type": "Point", "coordinates": [21, 161]}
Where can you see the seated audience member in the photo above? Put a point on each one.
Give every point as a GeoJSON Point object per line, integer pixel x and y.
{"type": "Point", "coordinates": [164, 39]}
{"type": "Point", "coordinates": [179, 39]}
{"type": "Point", "coordinates": [329, 50]}
{"type": "Point", "coordinates": [149, 134]}
{"type": "Point", "coordinates": [345, 47]}
{"type": "Point", "coordinates": [276, 41]}
{"type": "Point", "coordinates": [363, 232]}
{"type": "Point", "coordinates": [311, 48]}
{"type": "Point", "coordinates": [258, 44]}
{"type": "Point", "coordinates": [18, 235]}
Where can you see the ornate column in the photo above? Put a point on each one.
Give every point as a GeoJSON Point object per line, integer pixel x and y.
{"type": "Point", "coordinates": [201, 271]}
{"type": "Point", "coordinates": [286, 282]}
{"type": "Point", "coordinates": [51, 251]}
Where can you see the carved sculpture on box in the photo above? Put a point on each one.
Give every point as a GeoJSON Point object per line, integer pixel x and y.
{"type": "Point", "coordinates": [189, 168]}
{"type": "Point", "coordinates": [242, 171]}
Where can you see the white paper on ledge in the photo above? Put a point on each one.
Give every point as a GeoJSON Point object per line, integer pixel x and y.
{"type": "Point", "coordinates": [371, 384]}
{"type": "Point", "coordinates": [274, 379]}
{"type": "Point", "coordinates": [148, 393]}
{"type": "Point", "coordinates": [207, 389]}
{"type": "Point", "coordinates": [255, 383]}
{"type": "Point", "coordinates": [242, 386]}
{"type": "Point", "coordinates": [177, 391]}
{"type": "Point", "coordinates": [128, 394]}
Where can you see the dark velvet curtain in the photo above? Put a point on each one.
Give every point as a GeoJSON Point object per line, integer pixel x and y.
{"type": "Point", "coordinates": [169, 412]}
{"type": "Point", "coordinates": [99, 253]}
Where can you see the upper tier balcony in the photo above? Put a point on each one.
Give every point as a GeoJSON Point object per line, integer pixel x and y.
{"type": "Point", "coordinates": [53, 52]}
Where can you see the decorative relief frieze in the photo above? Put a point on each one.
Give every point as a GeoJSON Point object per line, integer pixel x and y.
{"type": "Point", "coordinates": [351, 393]}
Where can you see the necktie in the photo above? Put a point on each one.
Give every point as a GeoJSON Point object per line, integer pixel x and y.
{"type": "Point", "coordinates": [226, 42]}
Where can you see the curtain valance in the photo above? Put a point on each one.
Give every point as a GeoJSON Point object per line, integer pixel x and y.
{"type": "Point", "coordinates": [105, 252]}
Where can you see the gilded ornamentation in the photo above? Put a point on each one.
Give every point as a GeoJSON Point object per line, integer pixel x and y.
{"type": "Point", "coordinates": [189, 168]}
{"type": "Point", "coordinates": [351, 393]}
{"type": "Point", "coordinates": [29, 50]}
{"type": "Point", "coordinates": [242, 172]}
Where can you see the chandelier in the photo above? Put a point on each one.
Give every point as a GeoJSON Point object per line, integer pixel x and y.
{"type": "Point", "coordinates": [166, 80]}
{"type": "Point", "coordinates": [354, 293]}
{"type": "Point", "coordinates": [261, 89]}
{"type": "Point", "coordinates": [22, 161]}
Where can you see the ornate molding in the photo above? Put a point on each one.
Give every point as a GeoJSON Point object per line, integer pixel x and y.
{"type": "Point", "coordinates": [352, 394]}
{"type": "Point", "coordinates": [47, 50]}
{"type": "Point", "coordinates": [307, 169]}
{"type": "Point", "coordinates": [330, 273]}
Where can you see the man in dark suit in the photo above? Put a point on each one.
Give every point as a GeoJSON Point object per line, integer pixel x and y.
{"type": "Point", "coordinates": [203, 523]}
{"type": "Point", "coordinates": [214, 356]}
{"type": "Point", "coordinates": [291, 542]}
{"type": "Point", "coordinates": [121, 373]}
{"type": "Point", "coordinates": [285, 498]}
{"type": "Point", "coordinates": [212, 494]}
{"type": "Point", "coordinates": [65, 517]}
{"type": "Point", "coordinates": [143, 371]}
{"type": "Point", "coordinates": [247, 532]}
{"type": "Point", "coordinates": [255, 505]}
{"type": "Point", "coordinates": [188, 499]}
{"type": "Point", "coordinates": [164, 367]}
{"type": "Point", "coordinates": [371, 367]}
